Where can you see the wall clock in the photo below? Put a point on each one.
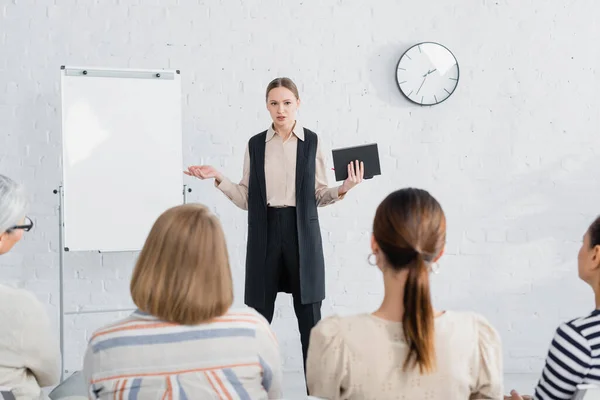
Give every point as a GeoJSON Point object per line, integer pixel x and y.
{"type": "Point", "coordinates": [427, 73]}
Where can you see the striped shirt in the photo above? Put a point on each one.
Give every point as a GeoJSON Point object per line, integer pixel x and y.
{"type": "Point", "coordinates": [235, 356]}
{"type": "Point", "coordinates": [573, 358]}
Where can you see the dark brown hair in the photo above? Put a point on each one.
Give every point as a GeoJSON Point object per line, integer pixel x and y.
{"type": "Point", "coordinates": [594, 231]}
{"type": "Point", "coordinates": [410, 229]}
{"type": "Point", "coordinates": [182, 274]}
{"type": "Point", "coordinates": [282, 82]}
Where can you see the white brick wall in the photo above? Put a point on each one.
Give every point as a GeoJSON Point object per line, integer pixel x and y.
{"type": "Point", "coordinates": [512, 156]}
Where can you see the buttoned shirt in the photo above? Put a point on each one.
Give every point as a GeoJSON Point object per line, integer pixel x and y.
{"type": "Point", "coordinates": [280, 173]}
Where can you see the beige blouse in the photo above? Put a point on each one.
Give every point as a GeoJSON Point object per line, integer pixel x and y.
{"type": "Point", "coordinates": [361, 357]}
{"type": "Point", "coordinates": [280, 174]}
{"type": "Point", "coordinates": [29, 354]}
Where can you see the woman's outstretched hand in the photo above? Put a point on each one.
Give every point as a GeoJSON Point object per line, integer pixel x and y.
{"type": "Point", "coordinates": [204, 172]}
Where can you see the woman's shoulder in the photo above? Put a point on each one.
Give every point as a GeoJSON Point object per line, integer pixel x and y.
{"type": "Point", "coordinates": [19, 298]}
{"type": "Point", "coordinates": [470, 318]}
{"type": "Point", "coordinates": [470, 322]}
{"type": "Point", "coordinates": [117, 328]}
{"type": "Point", "coordinates": [244, 314]}
{"type": "Point", "coordinates": [580, 328]}
{"type": "Point", "coordinates": [247, 317]}
{"type": "Point", "coordinates": [337, 325]}
{"type": "Point", "coordinates": [21, 310]}
{"type": "Point", "coordinates": [587, 320]}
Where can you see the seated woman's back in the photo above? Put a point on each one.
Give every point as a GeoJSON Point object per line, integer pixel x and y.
{"type": "Point", "coordinates": [405, 349]}
{"type": "Point", "coordinates": [184, 341]}
{"type": "Point", "coordinates": [362, 357]}
{"type": "Point", "coordinates": [234, 355]}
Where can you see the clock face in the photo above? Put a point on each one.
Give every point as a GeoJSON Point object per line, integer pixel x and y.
{"type": "Point", "coordinates": [427, 73]}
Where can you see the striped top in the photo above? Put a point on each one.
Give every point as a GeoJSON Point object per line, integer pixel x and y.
{"type": "Point", "coordinates": [573, 358]}
{"type": "Point", "coordinates": [235, 356]}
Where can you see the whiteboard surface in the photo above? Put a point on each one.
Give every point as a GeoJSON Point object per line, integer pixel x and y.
{"type": "Point", "coordinates": [122, 156]}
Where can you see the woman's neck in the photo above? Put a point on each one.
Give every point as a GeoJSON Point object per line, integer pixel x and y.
{"type": "Point", "coordinates": [390, 310]}
{"type": "Point", "coordinates": [597, 296]}
{"type": "Point", "coordinates": [392, 306]}
{"type": "Point", "coordinates": [284, 130]}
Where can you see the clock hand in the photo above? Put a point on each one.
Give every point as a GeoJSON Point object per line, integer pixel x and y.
{"type": "Point", "coordinates": [421, 84]}
{"type": "Point", "coordinates": [433, 70]}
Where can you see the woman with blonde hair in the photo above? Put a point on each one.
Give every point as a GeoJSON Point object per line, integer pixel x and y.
{"type": "Point", "coordinates": [184, 341]}
{"type": "Point", "coordinates": [406, 349]}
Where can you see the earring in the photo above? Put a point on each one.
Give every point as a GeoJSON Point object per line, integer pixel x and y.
{"type": "Point", "coordinates": [434, 268]}
{"type": "Point", "coordinates": [370, 259]}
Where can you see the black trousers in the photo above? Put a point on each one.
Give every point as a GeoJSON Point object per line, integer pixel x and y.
{"type": "Point", "coordinates": [283, 266]}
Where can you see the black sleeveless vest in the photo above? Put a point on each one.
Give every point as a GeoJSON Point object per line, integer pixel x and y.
{"type": "Point", "coordinates": [312, 263]}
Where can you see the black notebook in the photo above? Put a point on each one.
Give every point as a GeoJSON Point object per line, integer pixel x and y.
{"type": "Point", "coordinates": [366, 153]}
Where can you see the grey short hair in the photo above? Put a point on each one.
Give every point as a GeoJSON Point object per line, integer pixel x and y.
{"type": "Point", "coordinates": [13, 203]}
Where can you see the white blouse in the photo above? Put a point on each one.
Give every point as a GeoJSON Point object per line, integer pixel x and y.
{"type": "Point", "coordinates": [362, 357]}
{"type": "Point", "coordinates": [29, 354]}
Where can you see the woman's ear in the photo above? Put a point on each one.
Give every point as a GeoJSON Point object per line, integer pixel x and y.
{"type": "Point", "coordinates": [440, 255]}
{"type": "Point", "coordinates": [374, 246]}
{"type": "Point", "coordinates": [596, 256]}
{"type": "Point", "coordinates": [3, 238]}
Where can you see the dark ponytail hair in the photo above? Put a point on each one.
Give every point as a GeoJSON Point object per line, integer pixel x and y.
{"type": "Point", "coordinates": [410, 230]}
{"type": "Point", "coordinates": [594, 232]}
